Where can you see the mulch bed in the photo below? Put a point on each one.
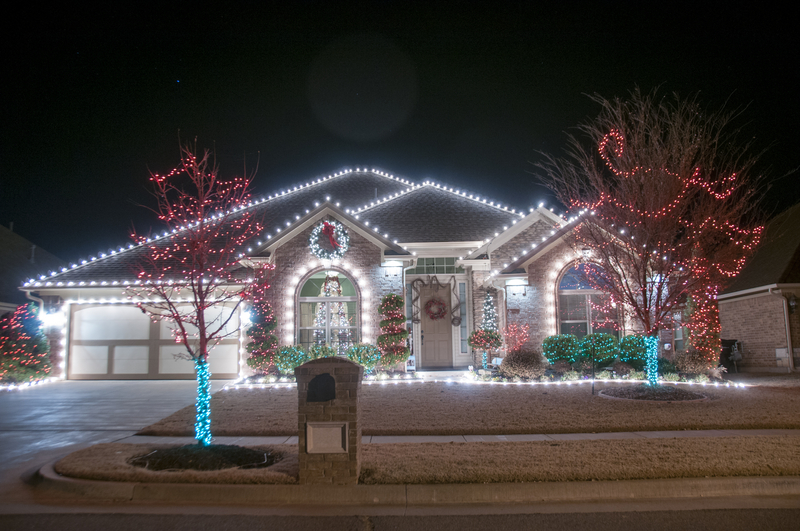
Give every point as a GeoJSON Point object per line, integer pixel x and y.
{"type": "Point", "coordinates": [658, 393]}
{"type": "Point", "coordinates": [213, 457]}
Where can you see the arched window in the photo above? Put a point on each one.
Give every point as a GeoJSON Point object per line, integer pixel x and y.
{"type": "Point", "coordinates": [328, 304]}
{"type": "Point", "coordinates": [583, 309]}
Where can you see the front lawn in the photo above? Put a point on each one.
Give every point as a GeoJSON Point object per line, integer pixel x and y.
{"type": "Point", "coordinates": [474, 409]}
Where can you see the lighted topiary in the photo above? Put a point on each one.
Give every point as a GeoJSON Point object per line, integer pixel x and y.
{"type": "Point", "coordinates": [364, 354]}
{"type": "Point", "coordinates": [633, 351]}
{"type": "Point", "coordinates": [486, 338]}
{"type": "Point", "coordinates": [561, 347]}
{"type": "Point", "coordinates": [321, 351]}
{"type": "Point", "coordinates": [392, 341]}
{"type": "Point", "coordinates": [288, 358]}
{"type": "Point", "coordinates": [523, 364]}
{"type": "Point", "coordinates": [24, 351]}
{"type": "Point", "coordinates": [602, 348]}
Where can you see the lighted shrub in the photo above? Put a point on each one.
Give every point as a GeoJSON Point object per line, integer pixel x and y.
{"type": "Point", "coordinates": [691, 362]}
{"type": "Point", "coordinates": [633, 351]}
{"type": "Point", "coordinates": [604, 347]}
{"type": "Point", "coordinates": [364, 354]}
{"type": "Point", "coordinates": [523, 364]}
{"type": "Point", "coordinates": [288, 358]}
{"type": "Point", "coordinates": [561, 347]}
{"type": "Point", "coordinates": [321, 351]}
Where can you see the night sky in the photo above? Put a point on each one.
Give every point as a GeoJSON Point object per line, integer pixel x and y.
{"type": "Point", "coordinates": [466, 94]}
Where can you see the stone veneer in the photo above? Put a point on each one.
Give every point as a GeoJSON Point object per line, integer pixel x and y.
{"type": "Point", "coordinates": [330, 468]}
{"type": "Point", "coordinates": [361, 263]}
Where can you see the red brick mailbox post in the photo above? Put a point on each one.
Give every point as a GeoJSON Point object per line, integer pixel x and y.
{"type": "Point", "coordinates": [329, 428]}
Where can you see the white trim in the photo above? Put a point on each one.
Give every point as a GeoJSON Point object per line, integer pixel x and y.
{"type": "Point", "coordinates": [765, 288]}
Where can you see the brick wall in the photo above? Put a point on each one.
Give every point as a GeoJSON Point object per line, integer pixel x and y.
{"type": "Point", "coordinates": [758, 323]}
{"type": "Point", "coordinates": [294, 263]}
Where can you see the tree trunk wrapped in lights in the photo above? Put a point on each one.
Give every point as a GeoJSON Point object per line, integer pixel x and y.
{"type": "Point", "coordinates": [192, 268]}
{"type": "Point", "coordinates": [666, 201]}
{"type": "Point", "coordinates": [392, 341]}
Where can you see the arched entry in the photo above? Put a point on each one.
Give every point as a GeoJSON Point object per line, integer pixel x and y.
{"type": "Point", "coordinates": [328, 311]}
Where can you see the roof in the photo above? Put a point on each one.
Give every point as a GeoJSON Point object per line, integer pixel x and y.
{"type": "Point", "coordinates": [19, 261]}
{"type": "Point", "coordinates": [400, 210]}
{"type": "Point", "coordinates": [777, 259]}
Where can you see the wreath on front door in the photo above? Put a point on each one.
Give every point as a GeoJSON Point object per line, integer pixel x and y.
{"type": "Point", "coordinates": [329, 240]}
{"type": "Point", "coordinates": [435, 309]}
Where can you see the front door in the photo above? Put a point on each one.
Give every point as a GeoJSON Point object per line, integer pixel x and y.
{"type": "Point", "coordinates": [435, 334]}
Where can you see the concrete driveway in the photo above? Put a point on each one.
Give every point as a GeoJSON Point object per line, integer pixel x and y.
{"type": "Point", "coordinates": [67, 415]}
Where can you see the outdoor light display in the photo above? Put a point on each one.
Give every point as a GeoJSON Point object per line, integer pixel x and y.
{"type": "Point", "coordinates": [24, 352]}
{"type": "Point", "coordinates": [340, 322]}
{"type": "Point", "coordinates": [516, 336]}
{"type": "Point", "coordinates": [486, 337]}
{"type": "Point", "coordinates": [652, 359]}
{"type": "Point", "coordinates": [392, 341]}
{"type": "Point", "coordinates": [263, 342]}
{"type": "Point", "coordinates": [329, 240]}
{"type": "Point", "coordinates": [202, 425]}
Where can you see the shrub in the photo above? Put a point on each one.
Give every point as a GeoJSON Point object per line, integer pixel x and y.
{"type": "Point", "coordinates": [671, 377]}
{"type": "Point", "coordinates": [637, 375]}
{"type": "Point", "coordinates": [691, 362]}
{"type": "Point", "coordinates": [523, 364]}
{"type": "Point", "coordinates": [561, 347]}
{"type": "Point", "coordinates": [665, 366]}
{"type": "Point", "coordinates": [321, 351]}
{"type": "Point", "coordinates": [571, 375]}
{"type": "Point", "coordinates": [288, 358]}
{"type": "Point", "coordinates": [604, 346]}
{"type": "Point", "coordinates": [604, 375]}
{"type": "Point", "coordinates": [364, 354]}
{"type": "Point", "coordinates": [622, 368]}
{"type": "Point", "coordinates": [633, 351]}
{"type": "Point", "coordinates": [701, 378]}
{"type": "Point", "coordinates": [561, 366]}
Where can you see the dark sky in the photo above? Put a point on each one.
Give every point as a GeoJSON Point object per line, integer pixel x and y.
{"type": "Point", "coordinates": [464, 93]}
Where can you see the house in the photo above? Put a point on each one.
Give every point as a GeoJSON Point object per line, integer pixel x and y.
{"type": "Point", "coordinates": [20, 259]}
{"type": "Point", "coordinates": [440, 246]}
{"type": "Point", "coordinates": [759, 309]}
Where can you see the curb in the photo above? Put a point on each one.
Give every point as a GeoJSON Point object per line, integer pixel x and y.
{"type": "Point", "coordinates": [419, 495]}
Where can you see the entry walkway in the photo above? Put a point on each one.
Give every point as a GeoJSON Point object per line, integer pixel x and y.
{"type": "Point", "coordinates": [395, 439]}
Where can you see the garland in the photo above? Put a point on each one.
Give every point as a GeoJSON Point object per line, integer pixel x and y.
{"type": "Point", "coordinates": [436, 309]}
{"type": "Point", "coordinates": [329, 240]}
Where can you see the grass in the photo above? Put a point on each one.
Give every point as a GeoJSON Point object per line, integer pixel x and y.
{"type": "Point", "coordinates": [471, 409]}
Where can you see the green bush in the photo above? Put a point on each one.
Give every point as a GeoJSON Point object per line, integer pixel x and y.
{"type": "Point", "coordinates": [671, 377]}
{"type": "Point", "coordinates": [321, 351]}
{"type": "Point", "coordinates": [561, 347]}
{"type": "Point", "coordinates": [604, 375]}
{"type": "Point", "coordinates": [691, 362]}
{"type": "Point", "coordinates": [633, 351]}
{"type": "Point", "coordinates": [637, 375]}
{"type": "Point", "coordinates": [364, 354]}
{"type": "Point", "coordinates": [605, 347]}
{"type": "Point", "coordinates": [570, 376]}
{"type": "Point", "coordinates": [665, 366]}
{"type": "Point", "coordinates": [288, 358]}
{"type": "Point", "coordinates": [523, 364]}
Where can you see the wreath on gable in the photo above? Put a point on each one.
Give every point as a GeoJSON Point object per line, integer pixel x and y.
{"type": "Point", "coordinates": [329, 240]}
{"type": "Point", "coordinates": [435, 309]}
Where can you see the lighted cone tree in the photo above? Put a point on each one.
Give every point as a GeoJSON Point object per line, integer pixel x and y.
{"type": "Point", "coordinates": [392, 341]}
{"type": "Point", "coordinates": [486, 338]}
{"type": "Point", "coordinates": [263, 342]}
{"type": "Point", "coordinates": [666, 200]}
{"type": "Point", "coordinates": [190, 277]}
{"type": "Point", "coordinates": [24, 350]}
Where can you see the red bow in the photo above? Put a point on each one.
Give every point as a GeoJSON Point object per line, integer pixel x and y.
{"type": "Point", "coordinates": [328, 230]}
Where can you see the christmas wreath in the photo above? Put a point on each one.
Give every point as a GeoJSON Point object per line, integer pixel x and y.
{"type": "Point", "coordinates": [329, 240]}
{"type": "Point", "coordinates": [436, 309]}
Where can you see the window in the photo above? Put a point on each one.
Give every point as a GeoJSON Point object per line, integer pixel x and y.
{"type": "Point", "coordinates": [435, 266]}
{"type": "Point", "coordinates": [583, 310]}
{"type": "Point", "coordinates": [328, 312]}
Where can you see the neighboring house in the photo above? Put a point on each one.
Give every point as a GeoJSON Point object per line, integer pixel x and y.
{"type": "Point", "coordinates": [19, 261]}
{"type": "Point", "coordinates": [425, 241]}
{"type": "Point", "coordinates": [760, 307]}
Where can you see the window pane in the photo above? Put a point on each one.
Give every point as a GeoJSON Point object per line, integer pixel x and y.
{"type": "Point", "coordinates": [439, 261]}
{"type": "Point", "coordinates": [341, 339]}
{"type": "Point", "coordinates": [572, 308]}
{"type": "Point", "coordinates": [576, 329]}
{"type": "Point", "coordinates": [449, 261]}
{"type": "Point", "coordinates": [312, 314]}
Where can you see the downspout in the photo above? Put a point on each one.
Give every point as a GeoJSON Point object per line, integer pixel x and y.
{"type": "Point", "coordinates": [35, 299]}
{"type": "Point", "coordinates": [789, 349]}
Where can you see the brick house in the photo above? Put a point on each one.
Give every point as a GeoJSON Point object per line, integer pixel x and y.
{"type": "Point", "coordinates": [423, 240]}
{"type": "Point", "coordinates": [760, 307]}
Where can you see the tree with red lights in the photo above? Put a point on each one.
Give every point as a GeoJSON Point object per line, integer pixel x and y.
{"type": "Point", "coordinates": [24, 351]}
{"type": "Point", "coordinates": [666, 198]}
{"type": "Point", "coordinates": [191, 275]}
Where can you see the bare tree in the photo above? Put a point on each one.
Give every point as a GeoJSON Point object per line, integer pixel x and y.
{"type": "Point", "coordinates": [668, 202]}
{"type": "Point", "coordinates": [189, 276]}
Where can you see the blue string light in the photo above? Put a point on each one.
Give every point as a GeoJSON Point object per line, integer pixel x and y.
{"type": "Point", "coordinates": [651, 343]}
{"type": "Point", "coordinates": [202, 425]}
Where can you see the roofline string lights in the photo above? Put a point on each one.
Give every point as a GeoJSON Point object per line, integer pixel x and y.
{"type": "Point", "coordinates": [44, 282]}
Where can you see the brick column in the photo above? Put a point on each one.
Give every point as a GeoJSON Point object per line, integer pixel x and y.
{"type": "Point", "coordinates": [328, 421]}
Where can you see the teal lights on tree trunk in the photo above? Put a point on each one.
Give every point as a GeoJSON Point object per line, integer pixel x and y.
{"type": "Point", "coordinates": [202, 425]}
{"type": "Point", "coordinates": [652, 359]}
